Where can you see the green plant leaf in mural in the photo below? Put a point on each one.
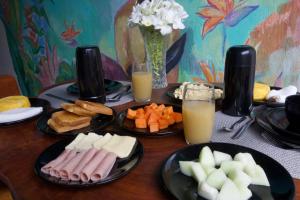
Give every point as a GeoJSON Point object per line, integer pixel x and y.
{"type": "Point", "coordinates": [66, 72]}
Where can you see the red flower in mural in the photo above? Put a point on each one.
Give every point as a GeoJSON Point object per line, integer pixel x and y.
{"type": "Point", "coordinates": [225, 11]}
{"type": "Point", "coordinates": [69, 35]}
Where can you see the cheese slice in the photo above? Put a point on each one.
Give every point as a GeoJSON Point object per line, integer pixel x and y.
{"type": "Point", "coordinates": [120, 145]}
{"type": "Point", "coordinates": [78, 138]}
{"type": "Point", "coordinates": [102, 141]}
{"type": "Point", "coordinates": [87, 142]}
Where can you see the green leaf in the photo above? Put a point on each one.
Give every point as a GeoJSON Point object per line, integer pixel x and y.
{"type": "Point", "coordinates": [66, 72]}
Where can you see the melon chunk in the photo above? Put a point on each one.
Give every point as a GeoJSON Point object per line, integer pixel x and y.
{"type": "Point", "coordinates": [257, 174]}
{"type": "Point", "coordinates": [207, 191]}
{"type": "Point", "coordinates": [228, 166]}
{"type": "Point", "coordinates": [240, 178]}
{"type": "Point", "coordinates": [206, 157]}
{"type": "Point", "coordinates": [245, 158]}
{"type": "Point", "coordinates": [245, 193]}
{"type": "Point", "coordinates": [208, 169]}
{"type": "Point", "coordinates": [229, 191]}
{"type": "Point", "coordinates": [198, 172]}
{"type": "Point", "coordinates": [216, 179]}
{"type": "Point", "coordinates": [186, 167]}
{"type": "Point", "coordinates": [221, 157]}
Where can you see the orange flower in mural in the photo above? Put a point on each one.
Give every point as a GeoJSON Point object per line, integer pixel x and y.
{"type": "Point", "coordinates": [223, 11]}
{"type": "Point", "coordinates": [69, 35]}
{"type": "Point", "coordinates": [215, 13]}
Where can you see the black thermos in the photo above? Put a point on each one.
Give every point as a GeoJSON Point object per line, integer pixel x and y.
{"type": "Point", "coordinates": [90, 75]}
{"type": "Point", "coordinates": [239, 80]}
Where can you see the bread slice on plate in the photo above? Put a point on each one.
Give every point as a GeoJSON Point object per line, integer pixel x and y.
{"type": "Point", "coordinates": [65, 118]}
{"type": "Point", "coordinates": [94, 107]}
{"type": "Point", "coordinates": [61, 129]}
{"type": "Point", "coordinates": [73, 108]}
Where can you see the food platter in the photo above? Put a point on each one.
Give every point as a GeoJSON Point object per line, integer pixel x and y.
{"type": "Point", "coordinates": [121, 168]}
{"type": "Point", "coordinates": [98, 122]}
{"type": "Point", "coordinates": [184, 187]}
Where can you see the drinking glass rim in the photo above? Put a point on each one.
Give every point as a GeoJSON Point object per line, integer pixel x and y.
{"type": "Point", "coordinates": [210, 87]}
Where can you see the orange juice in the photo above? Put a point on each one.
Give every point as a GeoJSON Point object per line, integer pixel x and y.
{"type": "Point", "coordinates": [198, 121]}
{"type": "Point", "coordinates": [142, 86]}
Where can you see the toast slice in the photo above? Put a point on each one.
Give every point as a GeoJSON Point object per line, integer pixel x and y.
{"type": "Point", "coordinates": [94, 107]}
{"type": "Point", "coordinates": [61, 129]}
{"type": "Point", "coordinates": [65, 118]}
{"type": "Point", "coordinates": [73, 108]}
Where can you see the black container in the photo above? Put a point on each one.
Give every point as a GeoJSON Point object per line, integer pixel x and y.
{"type": "Point", "coordinates": [90, 74]}
{"type": "Point", "coordinates": [292, 110]}
{"type": "Point", "coordinates": [239, 80]}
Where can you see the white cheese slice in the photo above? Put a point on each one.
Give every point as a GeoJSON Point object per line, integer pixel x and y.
{"type": "Point", "coordinates": [72, 145]}
{"type": "Point", "coordinates": [87, 142]}
{"type": "Point", "coordinates": [120, 145]}
{"type": "Point", "coordinates": [98, 144]}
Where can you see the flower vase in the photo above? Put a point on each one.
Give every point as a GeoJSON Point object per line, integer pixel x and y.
{"type": "Point", "coordinates": [155, 49]}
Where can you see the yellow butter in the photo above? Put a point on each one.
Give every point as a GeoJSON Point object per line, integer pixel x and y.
{"type": "Point", "coordinates": [13, 102]}
{"type": "Point", "coordinates": [260, 91]}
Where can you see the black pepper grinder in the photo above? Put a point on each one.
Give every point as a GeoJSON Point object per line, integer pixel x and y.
{"type": "Point", "coordinates": [90, 75]}
{"type": "Point", "coordinates": [239, 80]}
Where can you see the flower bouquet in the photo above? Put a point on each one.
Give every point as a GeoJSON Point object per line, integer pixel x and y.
{"type": "Point", "coordinates": [157, 19]}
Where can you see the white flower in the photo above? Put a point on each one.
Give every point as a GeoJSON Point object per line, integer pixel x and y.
{"type": "Point", "coordinates": [163, 15]}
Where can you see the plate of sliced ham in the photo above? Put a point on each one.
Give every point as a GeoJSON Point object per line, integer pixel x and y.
{"type": "Point", "coordinates": [88, 160]}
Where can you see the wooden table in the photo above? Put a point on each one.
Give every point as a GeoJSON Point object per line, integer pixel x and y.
{"type": "Point", "coordinates": [20, 145]}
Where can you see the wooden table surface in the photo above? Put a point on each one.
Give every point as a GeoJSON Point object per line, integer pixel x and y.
{"type": "Point", "coordinates": [21, 144]}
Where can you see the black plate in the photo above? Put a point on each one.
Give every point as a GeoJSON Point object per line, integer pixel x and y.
{"type": "Point", "coordinates": [129, 125]}
{"type": "Point", "coordinates": [110, 87]}
{"type": "Point", "coordinates": [270, 103]}
{"type": "Point", "coordinates": [98, 122]}
{"type": "Point", "coordinates": [279, 122]}
{"type": "Point", "coordinates": [184, 187]}
{"type": "Point", "coordinates": [170, 94]}
{"type": "Point", "coordinates": [261, 119]}
{"type": "Point", "coordinates": [120, 169]}
{"type": "Point", "coordinates": [35, 102]}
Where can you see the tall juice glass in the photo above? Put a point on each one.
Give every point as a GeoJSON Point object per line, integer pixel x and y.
{"type": "Point", "coordinates": [141, 82]}
{"type": "Point", "coordinates": [198, 108]}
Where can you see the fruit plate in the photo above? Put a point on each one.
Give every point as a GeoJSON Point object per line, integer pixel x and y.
{"type": "Point", "coordinates": [35, 102]}
{"type": "Point", "coordinates": [184, 187]}
{"type": "Point", "coordinates": [121, 168]}
{"type": "Point", "coordinates": [98, 122]}
{"type": "Point", "coordinates": [109, 85]}
{"type": "Point", "coordinates": [129, 125]}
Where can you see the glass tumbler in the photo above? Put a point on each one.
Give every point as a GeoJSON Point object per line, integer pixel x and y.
{"type": "Point", "coordinates": [198, 108]}
{"type": "Point", "coordinates": [141, 82]}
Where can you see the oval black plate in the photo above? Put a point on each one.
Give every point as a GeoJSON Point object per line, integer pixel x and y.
{"type": "Point", "coordinates": [120, 169]}
{"type": "Point", "coordinates": [35, 102]}
{"type": "Point", "coordinates": [129, 125]}
{"type": "Point", "coordinates": [261, 119]}
{"type": "Point", "coordinates": [184, 187]}
{"type": "Point", "coordinates": [110, 87]}
{"type": "Point", "coordinates": [170, 94]}
{"type": "Point", "coordinates": [270, 103]}
{"type": "Point", "coordinates": [98, 122]}
{"type": "Point", "coordinates": [279, 122]}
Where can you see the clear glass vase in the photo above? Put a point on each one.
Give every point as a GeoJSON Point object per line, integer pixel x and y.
{"type": "Point", "coordinates": [155, 47]}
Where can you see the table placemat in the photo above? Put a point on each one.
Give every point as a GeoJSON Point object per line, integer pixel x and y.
{"type": "Point", "coordinates": [252, 138]}
{"type": "Point", "coordinates": [61, 91]}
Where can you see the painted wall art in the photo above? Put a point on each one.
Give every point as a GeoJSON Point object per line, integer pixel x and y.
{"type": "Point", "coordinates": [43, 36]}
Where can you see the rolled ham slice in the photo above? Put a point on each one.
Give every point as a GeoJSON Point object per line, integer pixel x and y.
{"type": "Point", "coordinates": [104, 168]}
{"type": "Point", "coordinates": [66, 171]}
{"type": "Point", "coordinates": [89, 154]}
{"type": "Point", "coordinates": [55, 170]}
{"type": "Point", "coordinates": [46, 168]}
{"type": "Point", "coordinates": [87, 171]}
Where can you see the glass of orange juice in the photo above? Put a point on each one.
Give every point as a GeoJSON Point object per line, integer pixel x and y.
{"type": "Point", "coordinates": [141, 82]}
{"type": "Point", "coordinates": [198, 109]}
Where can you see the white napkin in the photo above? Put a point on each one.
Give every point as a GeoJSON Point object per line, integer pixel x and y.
{"type": "Point", "coordinates": [280, 95]}
{"type": "Point", "coordinates": [19, 114]}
